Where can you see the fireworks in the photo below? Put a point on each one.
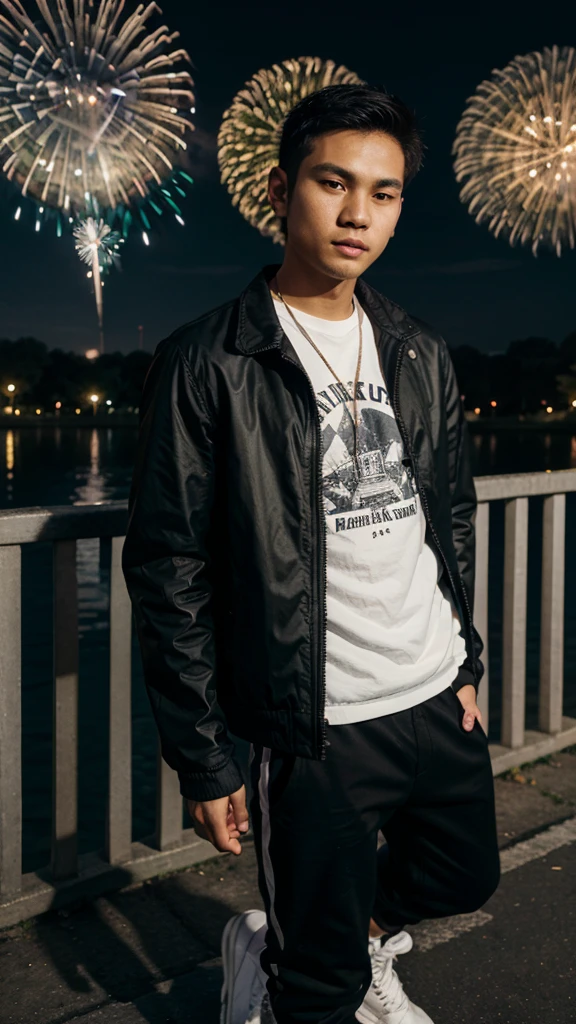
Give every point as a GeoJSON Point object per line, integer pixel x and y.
{"type": "Point", "coordinates": [249, 136]}
{"type": "Point", "coordinates": [94, 109]}
{"type": "Point", "coordinates": [96, 237]}
{"type": "Point", "coordinates": [515, 151]}
{"type": "Point", "coordinates": [98, 246]}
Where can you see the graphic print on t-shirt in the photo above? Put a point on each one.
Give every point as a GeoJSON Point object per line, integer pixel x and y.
{"type": "Point", "coordinates": [385, 491]}
{"type": "Point", "coordinates": [393, 636]}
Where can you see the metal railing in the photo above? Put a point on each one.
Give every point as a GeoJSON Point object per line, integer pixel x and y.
{"type": "Point", "coordinates": [123, 861]}
{"type": "Point", "coordinates": [555, 731]}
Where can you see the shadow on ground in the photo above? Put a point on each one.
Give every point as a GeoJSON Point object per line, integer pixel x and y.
{"type": "Point", "coordinates": [156, 946]}
{"type": "Point", "coordinates": [151, 953]}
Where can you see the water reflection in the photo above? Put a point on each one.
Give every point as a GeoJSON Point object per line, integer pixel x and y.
{"type": "Point", "coordinates": [94, 489]}
{"type": "Point", "coordinates": [522, 451]}
{"type": "Point", "coordinates": [547, 450]}
{"type": "Point", "coordinates": [493, 444]}
{"type": "Point", "coordinates": [9, 464]}
{"type": "Point", "coordinates": [92, 575]}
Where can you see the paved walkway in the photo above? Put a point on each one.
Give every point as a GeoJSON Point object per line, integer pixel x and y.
{"type": "Point", "coordinates": [150, 955]}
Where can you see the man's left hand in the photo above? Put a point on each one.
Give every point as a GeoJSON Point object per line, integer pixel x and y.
{"type": "Point", "coordinates": [467, 697]}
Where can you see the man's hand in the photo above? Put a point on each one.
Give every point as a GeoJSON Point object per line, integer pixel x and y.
{"type": "Point", "coordinates": [221, 821]}
{"type": "Point", "coordinates": [467, 697]}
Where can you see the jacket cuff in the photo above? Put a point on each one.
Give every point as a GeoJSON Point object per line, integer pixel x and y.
{"type": "Point", "coordinates": [465, 677]}
{"type": "Point", "coordinates": [211, 785]}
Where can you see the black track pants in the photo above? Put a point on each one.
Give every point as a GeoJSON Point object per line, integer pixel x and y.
{"type": "Point", "coordinates": [427, 784]}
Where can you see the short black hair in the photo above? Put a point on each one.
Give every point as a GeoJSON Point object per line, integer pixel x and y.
{"type": "Point", "coordinates": [362, 108]}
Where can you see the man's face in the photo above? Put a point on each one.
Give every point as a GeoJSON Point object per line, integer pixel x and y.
{"type": "Point", "coordinates": [348, 188]}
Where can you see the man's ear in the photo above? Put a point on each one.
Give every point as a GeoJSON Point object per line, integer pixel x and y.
{"type": "Point", "coordinates": [278, 191]}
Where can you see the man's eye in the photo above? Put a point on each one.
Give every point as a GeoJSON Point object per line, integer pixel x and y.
{"type": "Point", "coordinates": [327, 181]}
{"type": "Point", "coordinates": [384, 195]}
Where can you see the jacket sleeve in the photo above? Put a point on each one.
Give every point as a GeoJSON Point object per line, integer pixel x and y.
{"type": "Point", "coordinates": [166, 563]}
{"type": "Point", "coordinates": [463, 501]}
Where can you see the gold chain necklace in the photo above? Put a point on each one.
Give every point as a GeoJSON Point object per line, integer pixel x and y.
{"type": "Point", "coordinates": [322, 356]}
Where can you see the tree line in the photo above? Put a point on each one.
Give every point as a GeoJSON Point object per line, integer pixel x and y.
{"type": "Point", "coordinates": [532, 372]}
{"type": "Point", "coordinates": [41, 377]}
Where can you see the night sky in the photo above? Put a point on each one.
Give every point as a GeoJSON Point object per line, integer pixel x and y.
{"type": "Point", "coordinates": [440, 265]}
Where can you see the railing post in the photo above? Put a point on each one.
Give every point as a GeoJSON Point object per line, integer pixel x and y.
{"type": "Point", "coordinates": [65, 756]}
{"type": "Point", "coordinates": [552, 614]}
{"type": "Point", "coordinates": [10, 723]}
{"type": "Point", "coordinates": [514, 622]}
{"type": "Point", "coordinates": [481, 600]}
{"type": "Point", "coordinates": [169, 807]}
{"type": "Point", "coordinates": [119, 816]}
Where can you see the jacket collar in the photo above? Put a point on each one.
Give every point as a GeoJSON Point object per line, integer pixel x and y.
{"type": "Point", "coordinates": [259, 327]}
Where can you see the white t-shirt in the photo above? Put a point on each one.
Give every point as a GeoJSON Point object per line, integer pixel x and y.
{"type": "Point", "coordinates": [394, 637]}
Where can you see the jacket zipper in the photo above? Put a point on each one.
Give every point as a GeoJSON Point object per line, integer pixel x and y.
{"type": "Point", "coordinates": [321, 666]}
{"type": "Point", "coordinates": [424, 502]}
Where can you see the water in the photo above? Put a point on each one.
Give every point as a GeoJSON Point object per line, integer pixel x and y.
{"type": "Point", "coordinates": [71, 466]}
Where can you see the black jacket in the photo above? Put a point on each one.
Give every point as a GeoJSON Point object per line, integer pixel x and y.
{"type": "Point", "coordinates": [225, 556]}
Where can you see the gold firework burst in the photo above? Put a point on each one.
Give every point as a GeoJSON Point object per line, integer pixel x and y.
{"type": "Point", "coordinates": [93, 106]}
{"type": "Point", "coordinates": [515, 150]}
{"type": "Point", "coordinates": [249, 136]}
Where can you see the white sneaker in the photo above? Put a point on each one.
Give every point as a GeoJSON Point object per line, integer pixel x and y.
{"type": "Point", "coordinates": [386, 1001]}
{"type": "Point", "coordinates": [243, 939]}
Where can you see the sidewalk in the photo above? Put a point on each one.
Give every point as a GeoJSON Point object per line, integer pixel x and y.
{"type": "Point", "coordinates": [151, 953]}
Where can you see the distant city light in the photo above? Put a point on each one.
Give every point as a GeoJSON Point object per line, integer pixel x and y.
{"type": "Point", "coordinates": [94, 398]}
{"type": "Point", "coordinates": [549, 408]}
{"type": "Point", "coordinates": [77, 411]}
{"type": "Point", "coordinates": [108, 401]}
{"type": "Point", "coordinates": [11, 387]}
{"type": "Point", "coordinates": [574, 404]}
{"type": "Point", "coordinates": [38, 411]}
{"type": "Point", "coordinates": [493, 404]}
{"type": "Point", "coordinates": [58, 405]}
{"type": "Point", "coordinates": [16, 412]}
{"type": "Point", "coordinates": [477, 410]}
{"type": "Point", "coordinates": [92, 353]}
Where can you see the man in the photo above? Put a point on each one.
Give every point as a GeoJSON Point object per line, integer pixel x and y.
{"type": "Point", "coordinates": [300, 557]}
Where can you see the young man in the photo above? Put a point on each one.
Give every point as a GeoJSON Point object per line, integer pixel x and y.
{"type": "Point", "coordinates": [300, 556]}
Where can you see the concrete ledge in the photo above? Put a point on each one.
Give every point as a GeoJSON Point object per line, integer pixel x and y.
{"type": "Point", "coordinates": [96, 877]}
{"type": "Point", "coordinates": [536, 744]}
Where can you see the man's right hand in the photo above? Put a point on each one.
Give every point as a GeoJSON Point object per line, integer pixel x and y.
{"type": "Point", "coordinates": [221, 821]}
